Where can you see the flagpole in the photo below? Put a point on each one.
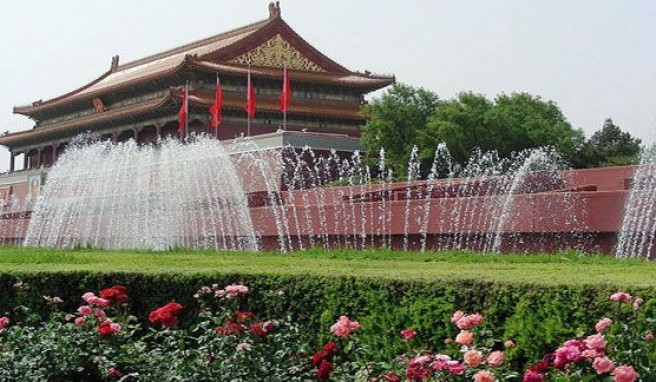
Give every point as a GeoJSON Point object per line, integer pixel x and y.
{"type": "Point", "coordinates": [284, 114]}
{"type": "Point", "coordinates": [248, 97]}
{"type": "Point", "coordinates": [186, 132]}
{"type": "Point", "coordinates": [216, 128]}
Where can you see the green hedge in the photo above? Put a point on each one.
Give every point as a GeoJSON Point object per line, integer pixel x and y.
{"type": "Point", "coordinates": [537, 318]}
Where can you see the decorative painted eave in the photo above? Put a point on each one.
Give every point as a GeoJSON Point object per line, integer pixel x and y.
{"type": "Point", "coordinates": [271, 104]}
{"type": "Point", "coordinates": [366, 82]}
{"type": "Point", "coordinates": [70, 127]}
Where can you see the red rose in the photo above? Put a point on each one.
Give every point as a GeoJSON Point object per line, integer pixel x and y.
{"type": "Point", "coordinates": [230, 328]}
{"type": "Point", "coordinates": [166, 315]}
{"type": "Point", "coordinates": [243, 316]}
{"type": "Point", "coordinates": [105, 328]}
{"type": "Point", "coordinates": [115, 294]}
{"type": "Point", "coordinates": [329, 347]}
{"type": "Point", "coordinates": [540, 367]}
{"type": "Point", "coordinates": [408, 334]}
{"type": "Point", "coordinates": [114, 373]}
{"type": "Point", "coordinates": [323, 373]}
{"type": "Point", "coordinates": [257, 329]}
{"type": "Point", "coordinates": [391, 377]}
{"type": "Point", "coordinates": [317, 358]}
{"type": "Point", "coordinates": [268, 327]}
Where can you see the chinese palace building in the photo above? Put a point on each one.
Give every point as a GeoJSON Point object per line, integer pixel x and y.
{"type": "Point", "coordinates": [140, 100]}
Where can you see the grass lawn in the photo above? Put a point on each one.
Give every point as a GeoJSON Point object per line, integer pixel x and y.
{"type": "Point", "coordinates": [553, 269]}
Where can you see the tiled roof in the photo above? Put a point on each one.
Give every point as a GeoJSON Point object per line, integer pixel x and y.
{"type": "Point", "coordinates": [149, 67]}
{"type": "Point", "coordinates": [50, 131]}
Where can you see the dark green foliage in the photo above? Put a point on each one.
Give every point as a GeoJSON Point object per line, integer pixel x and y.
{"type": "Point", "coordinates": [397, 119]}
{"type": "Point", "coordinates": [537, 317]}
{"type": "Point", "coordinates": [405, 116]}
{"type": "Point", "coordinates": [609, 146]}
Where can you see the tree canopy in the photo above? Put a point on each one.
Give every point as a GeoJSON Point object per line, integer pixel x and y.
{"type": "Point", "coordinates": [396, 120]}
{"type": "Point", "coordinates": [610, 146]}
{"type": "Point", "coordinates": [405, 116]}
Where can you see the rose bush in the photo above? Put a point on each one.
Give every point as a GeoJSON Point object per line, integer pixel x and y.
{"type": "Point", "coordinates": [100, 341]}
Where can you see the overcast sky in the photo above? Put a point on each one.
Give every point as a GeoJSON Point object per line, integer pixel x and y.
{"type": "Point", "coordinates": [596, 59]}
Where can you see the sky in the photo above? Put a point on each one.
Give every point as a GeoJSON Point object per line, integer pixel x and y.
{"type": "Point", "coordinates": [595, 58]}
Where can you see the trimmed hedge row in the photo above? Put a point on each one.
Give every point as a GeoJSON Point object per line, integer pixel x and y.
{"type": "Point", "coordinates": [537, 318]}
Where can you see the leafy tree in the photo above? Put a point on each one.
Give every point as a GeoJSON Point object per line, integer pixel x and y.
{"type": "Point", "coordinates": [610, 146]}
{"type": "Point", "coordinates": [510, 124]}
{"type": "Point", "coordinates": [460, 123]}
{"type": "Point", "coordinates": [396, 120]}
{"type": "Point", "coordinates": [522, 121]}
{"type": "Point", "coordinates": [406, 116]}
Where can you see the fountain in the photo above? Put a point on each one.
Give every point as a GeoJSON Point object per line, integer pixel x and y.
{"type": "Point", "coordinates": [239, 196]}
{"type": "Point", "coordinates": [128, 196]}
{"type": "Point", "coordinates": [636, 237]}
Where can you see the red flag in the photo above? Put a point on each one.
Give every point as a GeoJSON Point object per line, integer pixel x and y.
{"type": "Point", "coordinates": [286, 94]}
{"type": "Point", "coordinates": [184, 110]}
{"type": "Point", "coordinates": [249, 106]}
{"type": "Point", "coordinates": [215, 109]}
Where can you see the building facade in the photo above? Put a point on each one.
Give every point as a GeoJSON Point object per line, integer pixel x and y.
{"type": "Point", "coordinates": [140, 100]}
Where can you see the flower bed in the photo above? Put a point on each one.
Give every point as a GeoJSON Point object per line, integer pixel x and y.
{"type": "Point", "coordinates": [226, 341]}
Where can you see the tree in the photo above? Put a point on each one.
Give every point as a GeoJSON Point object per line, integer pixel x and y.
{"type": "Point", "coordinates": [460, 123]}
{"type": "Point", "coordinates": [395, 122]}
{"type": "Point", "coordinates": [610, 146]}
{"type": "Point", "coordinates": [511, 123]}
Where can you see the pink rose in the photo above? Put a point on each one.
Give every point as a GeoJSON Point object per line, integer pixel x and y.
{"type": "Point", "coordinates": [637, 302]}
{"type": "Point", "coordinates": [603, 324]}
{"type": "Point", "coordinates": [473, 358]}
{"type": "Point", "coordinates": [469, 321]}
{"type": "Point", "coordinates": [569, 352]}
{"type": "Point", "coordinates": [603, 365]}
{"type": "Point", "coordinates": [343, 327]}
{"type": "Point", "coordinates": [464, 338]}
{"type": "Point", "coordinates": [88, 297]}
{"type": "Point", "coordinates": [100, 313]}
{"type": "Point", "coordinates": [457, 316]}
{"type": "Point", "coordinates": [483, 376]}
{"type": "Point", "coordinates": [455, 367]}
{"type": "Point", "coordinates": [244, 346]}
{"type": "Point", "coordinates": [595, 342]}
{"type": "Point", "coordinates": [85, 310]}
{"type": "Point", "coordinates": [99, 301]}
{"type": "Point", "coordinates": [621, 297]}
{"type": "Point", "coordinates": [649, 336]}
{"type": "Point", "coordinates": [235, 290]}
{"type": "Point", "coordinates": [496, 358]}
{"type": "Point", "coordinates": [625, 373]}
{"type": "Point", "coordinates": [592, 354]}
{"type": "Point", "coordinates": [509, 344]}
{"type": "Point", "coordinates": [80, 321]}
